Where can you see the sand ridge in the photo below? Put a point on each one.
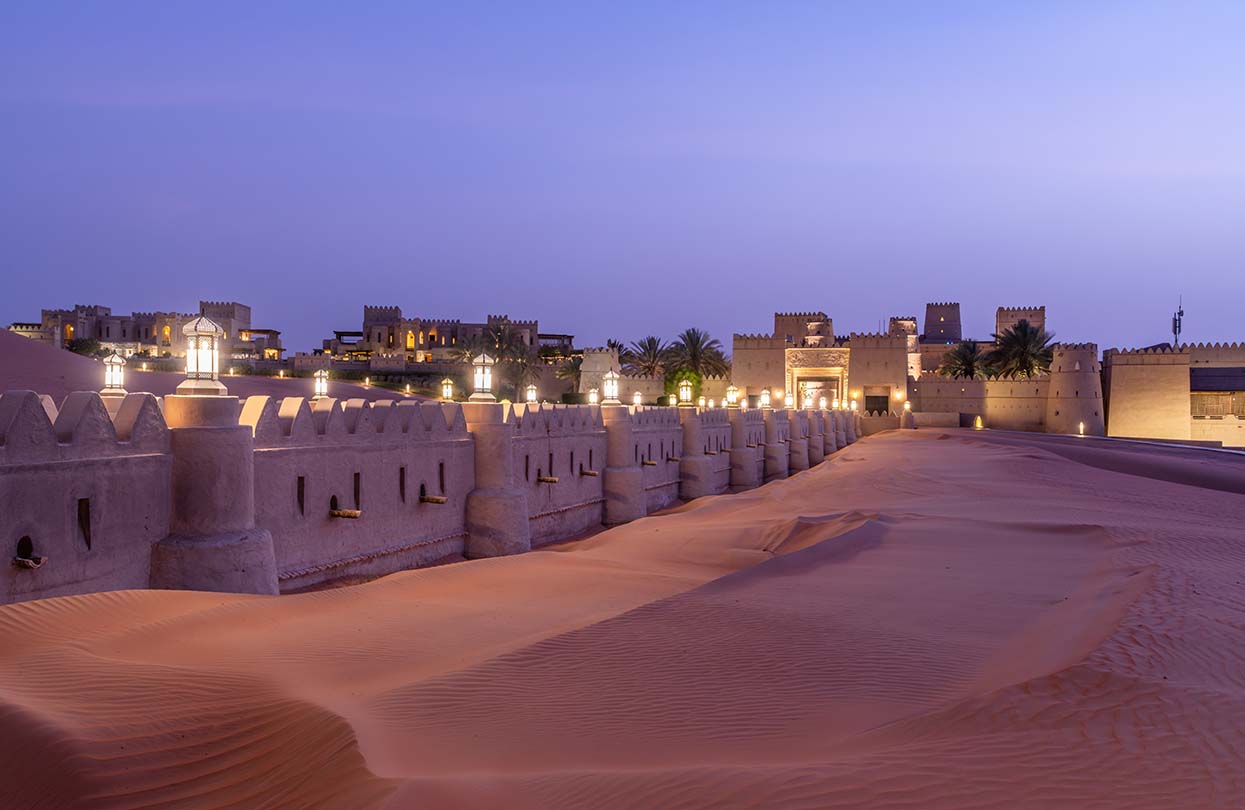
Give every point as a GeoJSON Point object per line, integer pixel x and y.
{"type": "Point", "coordinates": [937, 619]}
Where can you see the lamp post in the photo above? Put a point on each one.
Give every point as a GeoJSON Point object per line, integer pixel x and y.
{"type": "Point", "coordinates": [531, 393]}
{"type": "Point", "coordinates": [853, 404]}
{"type": "Point", "coordinates": [835, 404]}
{"type": "Point", "coordinates": [114, 376]}
{"type": "Point", "coordinates": [732, 396]}
{"type": "Point", "coordinates": [594, 396]}
{"type": "Point", "coordinates": [203, 338]}
{"type": "Point", "coordinates": [447, 389]}
{"type": "Point", "coordinates": [321, 383]}
{"type": "Point", "coordinates": [685, 392]}
{"type": "Point", "coordinates": [636, 398]}
{"type": "Point", "coordinates": [482, 373]}
{"type": "Point", "coordinates": [821, 403]}
{"type": "Point", "coordinates": [609, 387]}
{"type": "Point", "coordinates": [700, 402]}
{"type": "Point", "coordinates": [765, 398]}
{"type": "Point", "coordinates": [808, 401]}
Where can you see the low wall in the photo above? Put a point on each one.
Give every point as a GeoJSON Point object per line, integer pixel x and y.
{"type": "Point", "coordinates": [871, 423]}
{"type": "Point", "coordinates": [658, 442]}
{"type": "Point", "coordinates": [564, 445]}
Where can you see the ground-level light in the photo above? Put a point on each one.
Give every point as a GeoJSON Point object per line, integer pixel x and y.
{"type": "Point", "coordinates": [531, 393]}
{"type": "Point", "coordinates": [594, 396]}
{"type": "Point", "coordinates": [765, 398]}
{"type": "Point", "coordinates": [482, 376]}
{"type": "Point", "coordinates": [447, 389]}
{"type": "Point", "coordinates": [732, 396]}
{"type": "Point", "coordinates": [321, 385]}
{"type": "Point", "coordinates": [636, 399]}
{"type": "Point", "coordinates": [685, 391]}
{"type": "Point", "coordinates": [609, 387]}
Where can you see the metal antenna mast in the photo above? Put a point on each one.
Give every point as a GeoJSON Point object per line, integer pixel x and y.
{"type": "Point", "coordinates": [1178, 322]}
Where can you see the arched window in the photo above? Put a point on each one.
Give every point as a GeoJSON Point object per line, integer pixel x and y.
{"type": "Point", "coordinates": [410, 340]}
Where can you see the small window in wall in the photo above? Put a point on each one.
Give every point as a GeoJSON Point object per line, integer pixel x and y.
{"type": "Point", "coordinates": [333, 504]}
{"type": "Point", "coordinates": [302, 495]}
{"type": "Point", "coordinates": [358, 481]}
{"type": "Point", "coordinates": [527, 468]}
{"type": "Point", "coordinates": [590, 460]}
{"type": "Point", "coordinates": [551, 463]}
{"type": "Point", "coordinates": [571, 466]}
{"type": "Point", "coordinates": [402, 483]}
{"type": "Point", "coordinates": [84, 520]}
{"type": "Point", "coordinates": [25, 548]}
{"type": "Point", "coordinates": [441, 475]}
{"type": "Point", "coordinates": [423, 493]}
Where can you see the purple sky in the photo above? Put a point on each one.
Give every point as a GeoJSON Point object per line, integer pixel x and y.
{"type": "Point", "coordinates": [621, 169]}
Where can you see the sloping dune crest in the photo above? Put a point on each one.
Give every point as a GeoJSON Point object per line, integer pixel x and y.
{"type": "Point", "coordinates": [933, 619]}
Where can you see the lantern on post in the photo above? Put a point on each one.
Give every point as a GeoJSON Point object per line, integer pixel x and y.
{"type": "Point", "coordinates": [321, 383]}
{"type": "Point", "coordinates": [685, 392]}
{"type": "Point", "coordinates": [447, 389]}
{"type": "Point", "coordinates": [808, 401]}
{"type": "Point", "coordinates": [765, 398]}
{"type": "Point", "coordinates": [593, 396]}
{"type": "Point", "coordinates": [835, 405]}
{"type": "Point", "coordinates": [821, 403]}
{"type": "Point", "coordinates": [853, 404]}
{"type": "Point", "coordinates": [636, 398]}
{"type": "Point", "coordinates": [732, 396]}
{"type": "Point", "coordinates": [700, 402]}
{"type": "Point", "coordinates": [609, 387]}
{"type": "Point", "coordinates": [531, 392]}
{"type": "Point", "coordinates": [482, 374]}
{"type": "Point", "coordinates": [203, 338]}
{"type": "Point", "coordinates": [114, 376]}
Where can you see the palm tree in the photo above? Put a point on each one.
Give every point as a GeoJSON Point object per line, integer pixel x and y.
{"type": "Point", "coordinates": [965, 361]}
{"type": "Point", "coordinates": [521, 371]}
{"type": "Point", "coordinates": [616, 345]}
{"type": "Point", "coordinates": [570, 369]}
{"type": "Point", "coordinates": [696, 351]}
{"type": "Point", "coordinates": [1021, 351]}
{"type": "Point", "coordinates": [646, 357]}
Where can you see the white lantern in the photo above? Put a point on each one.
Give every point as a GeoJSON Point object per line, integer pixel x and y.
{"type": "Point", "coordinates": [808, 401]}
{"type": "Point", "coordinates": [114, 376]}
{"type": "Point", "coordinates": [531, 393]}
{"type": "Point", "coordinates": [609, 387]}
{"type": "Point", "coordinates": [732, 396]}
{"type": "Point", "coordinates": [835, 405]}
{"type": "Point", "coordinates": [636, 398]}
{"type": "Point", "coordinates": [700, 402]}
{"type": "Point", "coordinates": [367, 381]}
{"type": "Point", "coordinates": [853, 404]}
{"type": "Point", "coordinates": [593, 396]}
{"type": "Point", "coordinates": [743, 404]}
{"type": "Point", "coordinates": [778, 397]}
{"type": "Point", "coordinates": [482, 374]}
{"type": "Point", "coordinates": [447, 389]}
{"type": "Point", "coordinates": [821, 403]}
{"type": "Point", "coordinates": [685, 391]}
{"type": "Point", "coordinates": [408, 389]}
{"type": "Point", "coordinates": [203, 338]}
{"type": "Point", "coordinates": [765, 398]}
{"type": "Point", "coordinates": [1080, 428]}
{"type": "Point", "coordinates": [907, 406]}
{"type": "Point", "coordinates": [711, 405]}
{"type": "Point", "coordinates": [321, 383]}
{"type": "Point", "coordinates": [280, 372]}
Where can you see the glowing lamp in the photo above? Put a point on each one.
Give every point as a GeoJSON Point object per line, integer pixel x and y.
{"type": "Point", "coordinates": [899, 395]}
{"type": "Point", "coordinates": [635, 398]}
{"type": "Point", "coordinates": [321, 383]}
{"type": "Point", "coordinates": [482, 375]}
{"type": "Point", "coordinates": [700, 402]}
{"type": "Point", "coordinates": [743, 404]}
{"type": "Point", "coordinates": [203, 338]}
{"type": "Point", "coordinates": [233, 372]}
{"type": "Point", "coordinates": [685, 391]}
{"type": "Point", "coordinates": [144, 366]}
{"type": "Point", "coordinates": [907, 406]}
{"type": "Point", "coordinates": [408, 389]}
{"type": "Point", "coordinates": [808, 402]}
{"type": "Point", "coordinates": [594, 396]}
{"type": "Point", "coordinates": [367, 381]}
{"type": "Point", "coordinates": [711, 405]}
{"type": "Point", "coordinates": [672, 400]}
{"type": "Point", "coordinates": [765, 398]}
{"type": "Point", "coordinates": [853, 404]}
{"type": "Point", "coordinates": [821, 403]}
{"type": "Point", "coordinates": [114, 376]}
{"type": "Point", "coordinates": [531, 393]}
{"type": "Point", "coordinates": [609, 387]}
{"type": "Point", "coordinates": [1080, 428]}
{"type": "Point", "coordinates": [835, 406]}
{"type": "Point", "coordinates": [280, 372]}
{"type": "Point", "coordinates": [978, 424]}
{"type": "Point", "coordinates": [732, 396]}
{"type": "Point", "coordinates": [447, 389]}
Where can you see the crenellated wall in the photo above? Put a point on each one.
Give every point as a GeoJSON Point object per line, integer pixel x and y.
{"type": "Point", "coordinates": [91, 495]}
{"type": "Point", "coordinates": [390, 461]}
{"type": "Point", "coordinates": [269, 495]}
{"type": "Point", "coordinates": [558, 456]}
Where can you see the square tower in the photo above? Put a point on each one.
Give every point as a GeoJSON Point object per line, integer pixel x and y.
{"type": "Point", "coordinates": [1007, 317]}
{"type": "Point", "coordinates": [942, 323]}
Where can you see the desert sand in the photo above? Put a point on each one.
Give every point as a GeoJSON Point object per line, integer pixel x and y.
{"type": "Point", "coordinates": [27, 365]}
{"type": "Point", "coordinates": [932, 619]}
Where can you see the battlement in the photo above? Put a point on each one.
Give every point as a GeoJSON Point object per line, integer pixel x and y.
{"type": "Point", "coordinates": [943, 304]}
{"type": "Point", "coordinates": [821, 316]}
{"type": "Point", "coordinates": [1021, 310]}
{"type": "Point", "coordinates": [33, 429]}
{"type": "Point", "coordinates": [382, 314]}
{"type": "Point", "coordinates": [874, 340]}
{"type": "Point", "coordinates": [654, 416]}
{"type": "Point", "coordinates": [710, 417]}
{"type": "Point", "coordinates": [295, 421]}
{"type": "Point", "coordinates": [1151, 350]}
{"type": "Point", "coordinates": [1076, 347]}
{"type": "Point", "coordinates": [539, 419]}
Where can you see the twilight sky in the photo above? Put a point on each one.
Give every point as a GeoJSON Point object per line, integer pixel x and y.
{"type": "Point", "coordinates": [620, 169]}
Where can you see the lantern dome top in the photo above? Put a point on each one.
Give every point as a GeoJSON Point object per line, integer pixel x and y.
{"type": "Point", "coordinates": [202, 325]}
{"type": "Point", "coordinates": [483, 358]}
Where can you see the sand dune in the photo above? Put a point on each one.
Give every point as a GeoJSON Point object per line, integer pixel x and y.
{"type": "Point", "coordinates": [39, 367]}
{"type": "Point", "coordinates": [940, 619]}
